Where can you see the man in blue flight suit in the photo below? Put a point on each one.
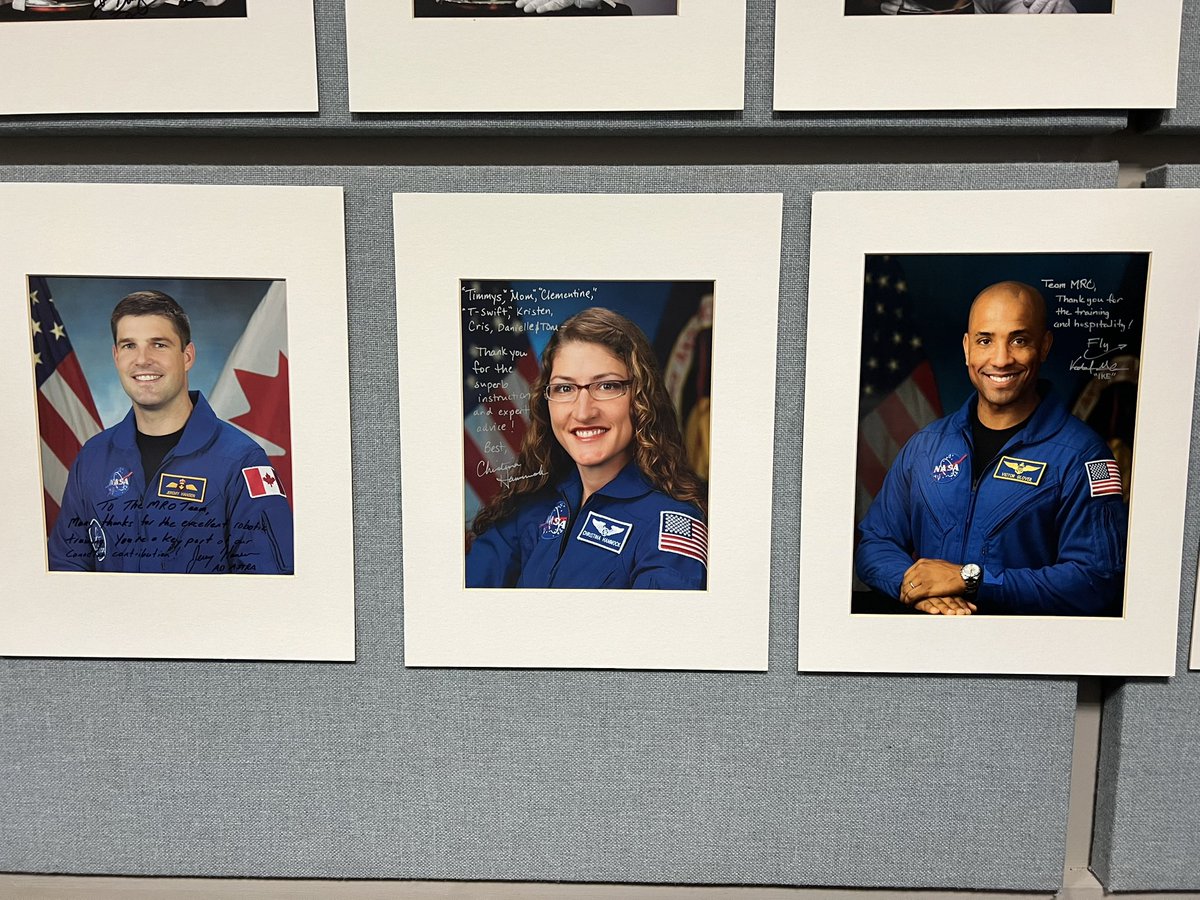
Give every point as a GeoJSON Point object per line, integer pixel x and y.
{"type": "Point", "coordinates": [1010, 505]}
{"type": "Point", "coordinates": [171, 488]}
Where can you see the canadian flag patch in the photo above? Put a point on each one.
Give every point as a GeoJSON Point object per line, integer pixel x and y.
{"type": "Point", "coordinates": [262, 481]}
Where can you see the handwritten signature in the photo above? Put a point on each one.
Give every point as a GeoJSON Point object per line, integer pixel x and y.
{"type": "Point", "coordinates": [538, 474]}
{"type": "Point", "coordinates": [1093, 361]}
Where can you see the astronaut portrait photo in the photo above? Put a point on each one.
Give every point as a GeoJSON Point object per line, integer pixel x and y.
{"type": "Point", "coordinates": [997, 412]}
{"type": "Point", "coordinates": [969, 7]}
{"type": "Point", "coordinates": [163, 418]}
{"type": "Point", "coordinates": [487, 9]}
{"type": "Point", "coordinates": [586, 417]}
{"type": "Point", "coordinates": [74, 10]}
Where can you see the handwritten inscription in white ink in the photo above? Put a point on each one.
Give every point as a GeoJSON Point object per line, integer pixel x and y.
{"type": "Point", "coordinates": [1079, 306]}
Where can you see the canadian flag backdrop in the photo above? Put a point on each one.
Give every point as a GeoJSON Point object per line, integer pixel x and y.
{"type": "Point", "coordinates": [252, 390]}
{"type": "Point", "coordinates": [239, 327]}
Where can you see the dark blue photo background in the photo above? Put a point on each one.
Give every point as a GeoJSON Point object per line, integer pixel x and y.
{"type": "Point", "coordinates": [942, 286]}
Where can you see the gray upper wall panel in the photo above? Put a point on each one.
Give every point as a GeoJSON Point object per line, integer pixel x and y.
{"type": "Point", "coordinates": [335, 118]}
{"type": "Point", "coordinates": [371, 770]}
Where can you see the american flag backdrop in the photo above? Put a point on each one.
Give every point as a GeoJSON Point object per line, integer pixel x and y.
{"type": "Point", "coordinates": [495, 403]}
{"type": "Point", "coordinates": [897, 392]}
{"type": "Point", "coordinates": [67, 415]}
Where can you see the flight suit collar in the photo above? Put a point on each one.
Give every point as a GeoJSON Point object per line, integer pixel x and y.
{"type": "Point", "coordinates": [1048, 419]}
{"type": "Point", "coordinates": [197, 433]}
{"type": "Point", "coordinates": [627, 485]}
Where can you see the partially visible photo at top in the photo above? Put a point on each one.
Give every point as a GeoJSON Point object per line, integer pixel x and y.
{"type": "Point", "coordinates": [74, 10]}
{"type": "Point", "coordinates": [968, 7]}
{"type": "Point", "coordinates": [490, 9]}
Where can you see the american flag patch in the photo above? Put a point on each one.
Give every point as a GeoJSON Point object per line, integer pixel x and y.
{"type": "Point", "coordinates": [680, 533]}
{"type": "Point", "coordinates": [1104, 477]}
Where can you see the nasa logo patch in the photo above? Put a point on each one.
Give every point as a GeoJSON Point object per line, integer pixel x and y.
{"type": "Point", "coordinates": [948, 467]}
{"type": "Point", "coordinates": [556, 522]}
{"type": "Point", "coordinates": [118, 481]}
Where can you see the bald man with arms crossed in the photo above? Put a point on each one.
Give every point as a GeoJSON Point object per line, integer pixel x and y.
{"type": "Point", "coordinates": [1011, 505]}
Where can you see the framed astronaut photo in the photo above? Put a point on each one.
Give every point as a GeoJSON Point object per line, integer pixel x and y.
{"type": "Point", "coordinates": [1002, 433]}
{"type": "Point", "coordinates": [600, 479]}
{"type": "Point", "coordinates": [957, 54]}
{"type": "Point", "coordinates": [92, 11]}
{"type": "Point", "coordinates": [588, 396]}
{"type": "Point", "coordinates": [181, 376]}
{"type": "Point", "coordinates": [545, 10]}
{"type": "Point", "coordinates": [976, 7]}
{"type": "Point", "coordinates": [545, 55]}
{"type": "Point", "coordinates": [177, 408]}
{"type": "Point", "coordinates": [1067, 382]}
{"type": "Point", "coordinates": [202, 56]}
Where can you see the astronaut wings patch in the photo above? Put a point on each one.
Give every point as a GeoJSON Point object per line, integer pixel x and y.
{"type": "Point", "coordinates": [680, 533]}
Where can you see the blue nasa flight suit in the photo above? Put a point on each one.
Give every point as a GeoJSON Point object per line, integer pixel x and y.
{"type": "Point", "coordinates": [194, 515]}
{"type": "Point", "coordinates": [612, 541]}
{"type": "Point", "coordinates": [1045, 544]}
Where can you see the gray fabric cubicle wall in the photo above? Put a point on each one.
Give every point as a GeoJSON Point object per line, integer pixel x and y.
{"type": "Point", "coordinates": [1185, 117]}
{"type": "Point", "coordinates": [373, 770]}
{"type": "Point", "coordinates": [335, 118]}
{"type": "Point", "coordinates": [1147, 831]}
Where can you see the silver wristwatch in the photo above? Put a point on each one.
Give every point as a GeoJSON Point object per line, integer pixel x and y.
{"type": "Point", "coordinates": [971, 575]}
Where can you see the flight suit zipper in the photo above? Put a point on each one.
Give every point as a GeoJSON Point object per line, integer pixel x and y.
{"type": "Point", "coordinates": [143, 507]}
{"type": "Point", "coordinates": [975, 483]}
{"type": "Point", "coordinates": [562, 544]}
{"type": "Point", "coordinates": [567, 532]}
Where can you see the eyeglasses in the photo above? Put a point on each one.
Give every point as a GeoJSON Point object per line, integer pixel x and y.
{"type": "Point", "coordinates": [565, 392]}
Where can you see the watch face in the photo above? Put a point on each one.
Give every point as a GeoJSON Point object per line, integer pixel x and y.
{"type": "Point", "coordinates": [970, 571]}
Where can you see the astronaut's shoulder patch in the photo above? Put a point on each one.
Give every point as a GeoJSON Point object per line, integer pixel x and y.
{"type": "Point", "coordinates": [190, 488]}
{"type": "Point", "coordinates": [261, 481]}
{"type": "Point", "coordinates": [1022, 471]}
{"type": "Point", "coordinates": [683, 534]}
{"type": "Point", "coordinates": [1104, 477]}
{"type": "Point", "coordinates": [605, 531]}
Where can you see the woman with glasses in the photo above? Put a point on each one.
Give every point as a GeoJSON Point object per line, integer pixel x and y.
{"type": "Point", "coordinates": [602, 496]}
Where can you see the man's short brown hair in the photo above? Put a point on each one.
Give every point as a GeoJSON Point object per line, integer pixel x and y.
{"type": "Point", "coordinates": [153, 303]}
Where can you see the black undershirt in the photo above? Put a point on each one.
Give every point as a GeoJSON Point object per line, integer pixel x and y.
{"type": "Point", "coordinates": [988, 442]}
{"type": "Point", "coordinates": [154, 448]}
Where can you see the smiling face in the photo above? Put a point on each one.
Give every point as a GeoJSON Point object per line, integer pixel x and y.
{"type": "Point", "coordinates": [153, 365]}
{"type": "Point", "coordinates": [1005, 345]}
{"type": "Point", "coordinates": [597, 434]}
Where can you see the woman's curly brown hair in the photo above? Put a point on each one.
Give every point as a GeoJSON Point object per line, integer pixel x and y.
{"type": "Point", "coordinates": [658, 443]}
